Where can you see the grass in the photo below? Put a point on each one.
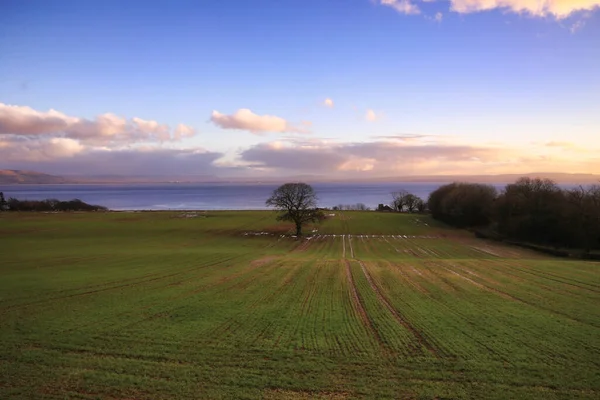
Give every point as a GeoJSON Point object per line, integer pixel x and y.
{"type": "Point", "coordinates": [163, 305]}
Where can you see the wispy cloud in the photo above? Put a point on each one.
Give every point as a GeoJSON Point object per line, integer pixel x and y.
{"type": "Point", "coordinates": [577, 26]}
{"type": "Point", "coordinates": [372, 116]}
{"type": "Point", "coordinates": [328, 103]}
{"type": "Point", "coordinates": [244, 119]}
{"type": "Point", "coordinates": [407, 137]}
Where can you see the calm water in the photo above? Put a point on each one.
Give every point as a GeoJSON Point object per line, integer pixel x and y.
{"type": "Point", "coordinates": [196, 196]}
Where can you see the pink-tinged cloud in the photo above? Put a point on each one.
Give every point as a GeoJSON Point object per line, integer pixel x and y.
{"type": "Point", "coordinates": [104, 129]}
{"type": "Point", "coordinates": [184, 131]}
{"type": "Point", "coordinates": [372, 116]}
{"type": "Point", "coordinates": [23, 149]}
{"type": "Point", "coordinates": [245, 120]}
{"type": "Point", "coordinates": [67, 156]}
{"type": "Point", "coordinates": [538, 8]}
{"type": "Point", "coordinates": [402, 6]}
{"type": "Point", "coordinates": [21, 120]}
{"type": "Point", "coordinates": [328, 103]}
{"type": "Point", "coordinates": [389, 158]}
{"type": "Point", "coordinates": [373, 156]}
{"type": "Point", "coordinates": [560, 144]}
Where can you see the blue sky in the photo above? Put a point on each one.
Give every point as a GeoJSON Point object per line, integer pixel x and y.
{"type": "Point", "coordinates": [442, 87]}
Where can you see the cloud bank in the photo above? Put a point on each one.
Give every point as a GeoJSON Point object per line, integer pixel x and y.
{"type": "Point", "coordinates": [245, 120]}
{"type": "Point", "coordinates": [417, 156]}
{"type": "Point", "coordinates": [379, 156]}
{"type": "Point", "coordinates": [538, 8]}
{"type": "Point", "coordinates": [53, 142]}
{"type": "Point", "coordinates": [58, 157]}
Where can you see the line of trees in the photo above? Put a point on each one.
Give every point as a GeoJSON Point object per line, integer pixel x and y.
{"type": "Point", "coordinates": [13, 204]}
{"type": "Point", "coordinates": [529, 210]}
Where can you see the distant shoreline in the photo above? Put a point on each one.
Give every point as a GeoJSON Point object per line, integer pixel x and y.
{"type": "Point", "coordinates": [19, 177]}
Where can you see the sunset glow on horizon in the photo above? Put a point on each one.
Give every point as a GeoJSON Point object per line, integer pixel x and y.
{"type": "Point", "coordinates": [337, 89]}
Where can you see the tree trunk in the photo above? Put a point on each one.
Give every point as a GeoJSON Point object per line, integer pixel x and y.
{"type": "Point", "coordinates": [298, 229]}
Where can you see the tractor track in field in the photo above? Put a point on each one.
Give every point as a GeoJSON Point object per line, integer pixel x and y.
{"type": "Point", "coordinates": [504, 294]}
{"type": "Point", "coordinates": [102, 289]}
{"type": "Point", "coordinates": [399, 318]}
{"type": "Point", "coordinates": [255, 264]}
{"type": "Point", "coordinates": [152, 316]}
{"type": "Point", "coordinates": [450, 310]}
{"type": "Point", "coordinates": [554, 277]}
{"type": "Point", "coordinates": [484, 286]}
{"type": "Point", "coordinates": [351, 248]}
{"type": "Point", "coordinates": [358, 306]}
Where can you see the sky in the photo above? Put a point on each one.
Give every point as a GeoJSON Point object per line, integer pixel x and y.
{"type": "Point", "coordinates": [283, 88]}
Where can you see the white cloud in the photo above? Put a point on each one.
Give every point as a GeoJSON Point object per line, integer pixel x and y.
{"type": "Point", "coordinates": [438, 17]}
{"type": "Point", "coordinates": [246, 120]}
{"type": "Point", "coordinates": [328, 103]}
{"type": "Point", "coordinates": [104, 129]}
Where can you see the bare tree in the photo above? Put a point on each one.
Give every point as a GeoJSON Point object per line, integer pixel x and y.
{"type": "Point", "coordinates": [297, 203]}
{"type": "Point", "coordinates": [398, 200]}
{"type": "Point", "coordinates": [404, 200]}
{"type": "Point", "coordinates": [411, 201]}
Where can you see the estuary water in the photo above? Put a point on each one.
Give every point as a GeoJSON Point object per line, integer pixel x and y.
{"type": "Point", "coordinates": [210, 196]}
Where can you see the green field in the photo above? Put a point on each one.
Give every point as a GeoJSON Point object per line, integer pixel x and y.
{"type": "Point", "coordinates": [161, 305]}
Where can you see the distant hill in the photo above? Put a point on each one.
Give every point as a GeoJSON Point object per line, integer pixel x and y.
{"type": "Point", "coordinates": [558, 177]}
{"type": "Point", "coordinates": [11, 177]}
{"type": "Point", "coordinates": [15, 176]}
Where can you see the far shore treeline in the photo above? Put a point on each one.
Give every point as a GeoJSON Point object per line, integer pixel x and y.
{"type": "Point", "coordinates": [47, 205]}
